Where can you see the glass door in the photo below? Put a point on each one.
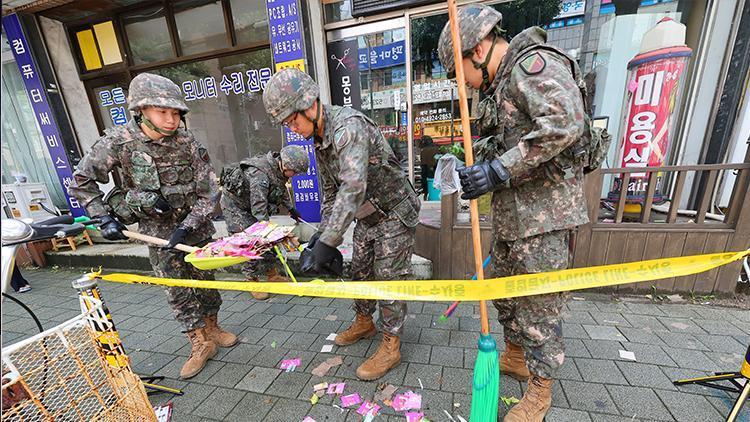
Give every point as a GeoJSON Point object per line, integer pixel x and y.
{"type": "Point", "coordinates": [367, 68]}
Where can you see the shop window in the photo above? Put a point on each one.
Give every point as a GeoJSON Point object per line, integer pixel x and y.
{"type": "Point", "coordinates": [98, 46]}
{"type": "Point", "coordinates": [200, 25]}
{"type": "Point", "coordinates": [148, 35]}
{"type": "Point", "coordinates": [337, 10]}
{"type": "Point", "coordinates": [250, 21]}
{"type": "Point", "coordinates": [24, 152]}
{"type": "Point", "coordinates": [111, 101]}
{"type": "Point", "coordinates": [226, 106]}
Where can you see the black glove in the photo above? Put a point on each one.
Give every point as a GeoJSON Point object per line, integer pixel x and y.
{"type": "Point", "coordinates": [313, 239]}
{"type": "Point", "coordinates": [323, 259]}
{"type": "Point", "coordinates": [111, 229]}
{"type": "Point", "coordinates": [295, 214]}
{"type": "Point", "coordinates": [178, 236]}
{"type": "Point", "coordinates": [161, 206]}
{"type": "Point", "coordinates": [482, 177]}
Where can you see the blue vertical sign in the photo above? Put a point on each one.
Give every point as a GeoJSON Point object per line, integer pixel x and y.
{"type": "Point", "coordinates": [284, 25]}
{"type": "Point", "coordinates": [40, 105]}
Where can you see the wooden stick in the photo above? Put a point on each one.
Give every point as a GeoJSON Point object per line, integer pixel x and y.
{"type": "Point", "coordinates": [157, 241]}
{"type": "Point", "coordinates": [468, 151]}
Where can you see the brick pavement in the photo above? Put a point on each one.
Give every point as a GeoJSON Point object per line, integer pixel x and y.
{"type": "Point", "coordinates": [243, 383]}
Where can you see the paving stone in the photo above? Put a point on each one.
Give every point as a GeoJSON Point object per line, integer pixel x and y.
{"type": "Point", "coordinates": [644, 375]}
{"type": "Point", "coordinates": [557, 414]}
{"type": "Point", "coordinates": [681, 325]}
{"type": "Point", "coordinates": [688, 407]}
{"type": "Point", "coordinates": [258, 320]}
{"type": "Point", "coordinates": [252, 335]}
{"type": "Point", "coordinates": [469, 324]}
{"type": "Point", "coordinates": [639, 402]}
{"type": "Point", "coordinates": [644, 309]}
{"type": "Point", "coordinates": [447, 356]}
{"type": "Point", "coordinates": [288, 384]}
{"type": "Point", "coordinates": [219, 403]}
{"type": "Point", "coordinates": [434, 402]}
{"type": "Point", "coordinates": [300, 341]}
{"type": "Point", "coordinates": [601, 332]}
{"type": "Point", "coordinates": [578, 317]}
{"type": "Point", "coordinates": [609, 318]}
{"type": "Point", "coordinates": [744, 326]}
{"type": "Point", "coordinates": [646, 353]}
{"type": "Point", "coordinates": [275, 335]}
{"type": "Point", "coordinates": [726, 362]}
{"type": "Point", "coordinates": [321, 412]}
{"type": "Point", "coordinates": [229, 375]}
{"type": "Point", "coordinates": [463, 339]}
{"type": "Point", "coordinates": [581, 305]}
{"type": "Point", "coordinates": [268, 357]}
{"type": "Point", "coordinates": [675, 374]}
{"type": "Point", "coordinates": [724, 405]}
{"type": "Point", "coordinates": [647, 322]}
{"type": "Point", "coordinates": [280, 322]}
{"type": "Point", "coordinates": [430, 375]}
{"type": "Point", "coordinates": [678, 310]}
{"type": "Point", "coordinates": [432, 336]}
{"type": "Point", "coordinates": [588, 397]}
{"type": "Point", "coordinates": [639, 335]}
{"type": "Point", "coordinates": [327, 327]}
{"type": "Point", "coordinates": [574, 331]}
{"type": "Point", "coordinates": [418, 353]}
{"type": "Point", "coordinates": [569, 370]}
{"type": "Point", "coordinates": [258, 379]}
{"type": "Point", "coordinates": [603, 349]}
{"type": "Point", "coordinates": [242, 353]}
{"type": "Point", "coordinates": [194, 394]}
{"type": "Point", "coordinates": [574, 348]}
{"type": "Point", "coordinates": [601, 371]}
{"type": "Point", "coordinates": [718, 327]}
{"type": "Point", "coordinates": [681, 340]}
{"type": "Point", "coordinates": [457, 380]}
{"type": "Point", "coordinates": [692, 359]}
{"type": "Point", "coordinates": [286, 410]}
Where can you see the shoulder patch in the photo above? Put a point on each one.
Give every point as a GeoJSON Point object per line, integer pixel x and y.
{"type": "Point", "coordinates": [340, 138]}
{"type": "Point", "coordinates": [533, 64]}
{"type": "Point", "coordinates": [203, 154]}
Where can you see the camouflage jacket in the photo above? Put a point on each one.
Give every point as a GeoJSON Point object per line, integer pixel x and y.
{"type": "Point", "coordinates": [176, 167]}
{"type": "Point", "coordinates": [535, 111]}
{"type": "Point", "coordinates": [356, 164]}
{"type": "Point", "coordinates": [262, 188]}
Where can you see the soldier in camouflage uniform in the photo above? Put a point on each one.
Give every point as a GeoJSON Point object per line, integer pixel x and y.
{"type": "Point", "coordinates": [362, 181]}
{"type": "Point", "coordinates": [532, 116]}
{"type": "Point", "coordinates": [253, 190]}
{"type": "Point", "coordinates": [169, 188]}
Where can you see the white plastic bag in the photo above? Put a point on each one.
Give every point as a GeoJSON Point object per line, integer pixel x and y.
{"type": "Point", "coordinates": [446, 176]}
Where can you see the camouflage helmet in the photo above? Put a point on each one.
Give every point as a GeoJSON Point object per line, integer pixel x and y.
{"type": "Point", "coordinates": [295, 158]}
{"type": "Point", "coordinates": [288, 91]}
{"type": "Point", "coordinates": [148, 89]}
{"type": "Point", "coordinates": [475, 21]}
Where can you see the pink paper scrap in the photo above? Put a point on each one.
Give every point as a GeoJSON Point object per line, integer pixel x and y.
{"type": "Point", "coordinates": [308, 419]}
{"type": "Point", "coordinates": [413, 416]}
{"type": "Point", "coordinates": [287, 363]}
{"type": "Point", "coordinates": [350, 400]}
{"type": "Point", "coordinates": [368, 407]}
{"type": "Point", "coordinates": [407, 401]}
{"type": "Point", "coordinates": [336, 388]}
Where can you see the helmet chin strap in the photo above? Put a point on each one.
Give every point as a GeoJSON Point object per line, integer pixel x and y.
{"type": "Point", "coordinates": [317, 116]}
{"type": "Point", "coordinates": [140, 118]}
{"type": "Point", "coordinates": [483, 66]}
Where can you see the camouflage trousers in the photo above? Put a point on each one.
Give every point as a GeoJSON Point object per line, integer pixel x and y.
{"type": "Point", "coordinates": [534, 322]}
{"type": "Point", "coordinates": [190, 306]}
{"type": "Point", "coordinates": [383, 252]}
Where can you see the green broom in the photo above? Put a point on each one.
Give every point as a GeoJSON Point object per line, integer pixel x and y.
{"type": "Point", "coordinates": [486, 386]}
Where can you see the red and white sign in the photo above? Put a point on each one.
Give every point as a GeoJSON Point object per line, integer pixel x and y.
{"type": "Point", "coordinates": [652, 97]}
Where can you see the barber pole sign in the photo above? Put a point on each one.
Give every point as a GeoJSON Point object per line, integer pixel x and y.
{"type": "Point", "coordinates": [654, 83]}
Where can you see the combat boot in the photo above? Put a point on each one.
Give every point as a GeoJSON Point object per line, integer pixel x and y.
{"type": "Point", "coordinates": [202, 350]}
{"type": "Point", "coordinates": [534, 404]}
{"type": "Point", "coordinates": [386, 357]}
{"type": "Point", "coordinates": [258, 295]}
{"type": "Point", "coordinates": [273, 275]}
{"type": "Point", "coordinates": [216, 334]}
{"type": "Point", "coordinates": [513, 362]}
{"type": "Point", "coordinates": [362, 327]}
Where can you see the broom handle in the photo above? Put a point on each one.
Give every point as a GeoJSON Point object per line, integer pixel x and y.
{"type": "Point", "coordinates": [466, 131]}
{"type": "Point", "coordinates": [158, 241]}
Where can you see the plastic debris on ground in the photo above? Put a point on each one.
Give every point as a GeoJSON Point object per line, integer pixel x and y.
{"type": "Point", "coordinates": [350, 400]}
{"type": "Point", "coordinates": [368, 407]}
{"type": "Point", "coordinates": [509, 401]}
{"type": "Point", "coordinates": [385, 393]}
{"type": "Point", "coordinates": [328, 348]}
{"type": "Point", "coordinates": [252, 242]}
{"type": "Point", "coordinates": [414, 416]}
{"type": "Point", "coordinates": [624, 354]}
{"type": "Point", "coordinates": [163, 412]}
{"type": "Point", "coordinates": [336, 388]}
{"type": "Point", "coordinates": [331, 318]}
{"type": "Point", "coordinates": [322, 369]}
{"type": "Point", "coordinates": [331, 337]}
{"type": "Point", "coordinates": [289, 365]}
{"type": "Point", "coordinates": [308, 419]}
{"type": "Point", "coordinates": [407, 401]}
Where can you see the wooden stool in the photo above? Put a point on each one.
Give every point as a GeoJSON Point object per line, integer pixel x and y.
{"type": "Point", "coordinates": [72, 242]}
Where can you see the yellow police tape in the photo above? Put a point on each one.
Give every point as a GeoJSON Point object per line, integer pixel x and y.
{"type": "Point", "coordinates": [464, 290]}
